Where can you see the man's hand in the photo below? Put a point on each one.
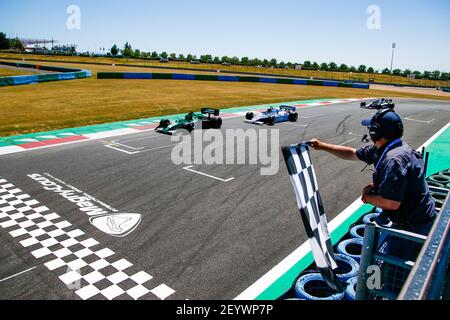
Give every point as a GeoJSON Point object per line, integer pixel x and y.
{"type": "Point", "coordinates": [342, 152]}
{"type": "Point", "coordinates": [369, 189]}
{"type": "Point", "coordinates": [317, 145]}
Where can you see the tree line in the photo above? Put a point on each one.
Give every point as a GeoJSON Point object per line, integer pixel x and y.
{"type": "Point", "coordinates": [129, 52]}
{"type": "Point", "coordinates": [13, 43]}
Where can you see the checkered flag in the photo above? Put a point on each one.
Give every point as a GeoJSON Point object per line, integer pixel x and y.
{"type": "Point", "coordinates": [303, 178]}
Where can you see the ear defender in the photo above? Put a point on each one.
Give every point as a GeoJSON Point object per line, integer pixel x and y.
{"type": "Point", "coordinates": [377, 132]}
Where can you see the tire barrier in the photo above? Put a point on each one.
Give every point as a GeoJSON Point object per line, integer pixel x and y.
{"type": "Point", "coordinates": [350, 293]}
{"type": "Point", "coordinates": [313, 287]}
{"type": "Point", "coordinates": [440, 178]}
{"type": "Point", "coordinates": [370, 217]}
{"type": "Point", "coordinates": [435, 184]}
{"type": "Point", "coordinates": [351, 248]}
{"type": "Point", "coordinates": [203, 77]}
{"type": "Point", "coordinates": [439, 198]}
{"type": "Point", "coordinates": [62, 74]}
{"type": "Point", "coordinates": [357, 232]}
{"type": "Point", "coordinates": [347, 267]}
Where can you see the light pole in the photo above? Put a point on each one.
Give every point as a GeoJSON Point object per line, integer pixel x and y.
{"type": "Point", "coordinates": [394, 45]}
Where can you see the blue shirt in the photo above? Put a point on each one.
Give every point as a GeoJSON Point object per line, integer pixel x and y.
{"type": "Point", "coordinates": [401, 177]}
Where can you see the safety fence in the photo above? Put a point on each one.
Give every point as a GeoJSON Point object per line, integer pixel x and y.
{"type": "Point", "coordinates": [203, 77]}
{"type": "Point", "coordinates": [59, 73]}
{"type": "Point", "coordinates": [360, 251]}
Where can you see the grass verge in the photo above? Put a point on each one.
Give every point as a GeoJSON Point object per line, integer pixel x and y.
{"type": "Point", "coordinates": [67, 104]}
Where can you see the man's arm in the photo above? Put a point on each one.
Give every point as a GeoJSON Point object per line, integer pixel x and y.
{"type": "Point", "coordinates": [342, 152]}
{"type": "Point", "coordinates": [380, 202]}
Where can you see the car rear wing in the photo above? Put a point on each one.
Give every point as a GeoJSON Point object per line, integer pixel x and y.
{"type": "Point", "coordinates": [290, 108]}
{"type": "Point", "coordinates": [212, 112]}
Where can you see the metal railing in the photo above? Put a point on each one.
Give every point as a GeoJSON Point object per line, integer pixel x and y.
{"type": "Point", "coordinates": [429, 277]}
{"type": "Point", "coordinates": [401, 278]}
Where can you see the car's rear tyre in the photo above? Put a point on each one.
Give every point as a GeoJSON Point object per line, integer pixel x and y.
{"type": "Point", "coordinates": [249, 115]}
{"type": "Point", "coordinates": [164, 123]}
{"type": "Point", "coordinates": [218, 123]}
{"type": "Point", "coordinates": [189, 128]}
{"type": "Point", "coordinates": [293, 117]}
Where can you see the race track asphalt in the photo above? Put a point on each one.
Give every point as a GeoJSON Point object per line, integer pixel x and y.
{"type": "Point", "coordinates": [204, 238]}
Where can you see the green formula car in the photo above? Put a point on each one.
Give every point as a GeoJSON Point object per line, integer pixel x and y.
{"type": "Point", "coordinates": [207, 119]}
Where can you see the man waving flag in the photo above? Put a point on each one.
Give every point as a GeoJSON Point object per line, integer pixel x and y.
{"type": "Point", "coordinates": [303, 178]}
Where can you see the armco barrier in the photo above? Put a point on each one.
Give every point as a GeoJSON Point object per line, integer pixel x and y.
{"type": "Point", "coordinates": [59, 74]}
{"type": "Point", "coordinates": [205, 77]}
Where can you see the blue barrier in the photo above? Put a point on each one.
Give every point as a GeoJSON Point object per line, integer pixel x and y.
{"type": "Point", "coordinates": [58, 75]}
{"type": "Point", "coordinates": [130, 75]}
{"type": "Point", "coordinates": [268, 80]}
{"type": "Point", "coordinates": [301, 82]}
{"type": "Point", "coordinates": [204, 77]}
{"type": "Point", "coordinates": [229, 78]}
{"type": "Point", "coordinates": [330, 83]}
{"type": "Point", "coordinates": [181, 76]}
{"type": "Point", "coordinates": [21, 80]}
{"type": "Point", "coordinates": [360, 86]}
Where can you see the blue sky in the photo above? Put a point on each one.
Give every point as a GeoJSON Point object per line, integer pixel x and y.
{"type": "Point", "coordinates": [289, 30]}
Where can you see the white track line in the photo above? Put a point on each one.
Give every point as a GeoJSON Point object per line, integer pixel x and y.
{"type": "Point", "coordinates": [356, 135]}
{"type": "Point", "coordinates": [296, 125]}
{"type": "Point", "coordinates": [120, 150]}
{"type": "Point", "coordinates": [421, 121]}
{"type": "Point", "coordinates": [343, 144]}
{"type": "Point", "coordinates": [207, 175]}
{"type": "Point", "coordinates": [126, 146]}
{"type": "Point", "coordinates": [18, 274]}
{"type": "Point", "coordinates": [317, 116]}
{"type": "Point", "coordinates": [284, 266]}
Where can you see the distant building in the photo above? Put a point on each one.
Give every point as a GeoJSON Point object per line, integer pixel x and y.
{"type": "Point", "coordinates": [298, 67]}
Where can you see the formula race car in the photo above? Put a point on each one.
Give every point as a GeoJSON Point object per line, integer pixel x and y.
{"type": "Point", "coordinates": [378, 104]}
{"type": "Point", "coordinates": [273, 115]}
{"type": "Point", "coordinates": [207, 119]}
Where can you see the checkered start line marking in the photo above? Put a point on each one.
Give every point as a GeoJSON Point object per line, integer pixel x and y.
{"type": "Point", "coordinates": [80, 261]}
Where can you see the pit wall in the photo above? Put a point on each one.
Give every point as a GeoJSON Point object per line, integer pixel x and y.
{"type": "Point", "coordinates": [59, 75]}
{"type": "Point", "coordinates": [197, 77]}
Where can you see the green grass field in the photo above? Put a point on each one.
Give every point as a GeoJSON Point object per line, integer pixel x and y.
{"type": "Point", "coordinates": [7, 72]}
{"type": "Point", "coordinates": [293, 73]}
{"type": "Point", "coordinates": [66, 104]}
